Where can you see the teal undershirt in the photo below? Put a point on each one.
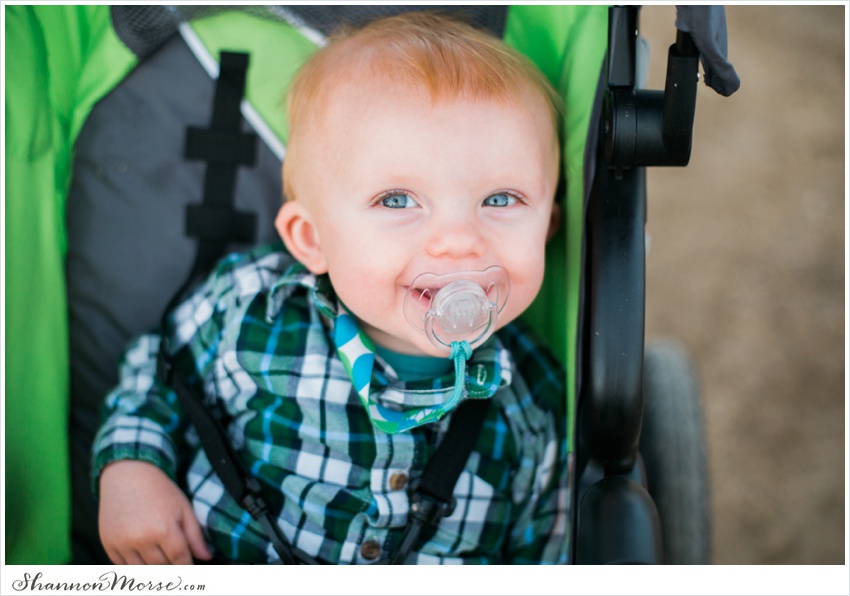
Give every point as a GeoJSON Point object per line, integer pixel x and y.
{"type": "Point", "coordinates": [415, 368]}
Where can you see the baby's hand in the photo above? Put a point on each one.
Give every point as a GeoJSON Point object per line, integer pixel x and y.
{"type": "Point", "coordinates": [145, 518]}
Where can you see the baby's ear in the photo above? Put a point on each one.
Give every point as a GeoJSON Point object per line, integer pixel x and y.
{"type": "Point", "coordinates": [298, 232]}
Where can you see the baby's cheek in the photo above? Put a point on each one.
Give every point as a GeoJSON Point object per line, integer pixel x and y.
{"type": "Point", "coordinates": [527, 279]}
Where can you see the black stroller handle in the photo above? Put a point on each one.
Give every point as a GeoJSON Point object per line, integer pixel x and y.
{"type": "Point", "coordinates": [648, 127]}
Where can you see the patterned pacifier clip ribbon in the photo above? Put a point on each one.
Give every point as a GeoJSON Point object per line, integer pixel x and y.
{"type": "Point", "coordinates": [357, 352]}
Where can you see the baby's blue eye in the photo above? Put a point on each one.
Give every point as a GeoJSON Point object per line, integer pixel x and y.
{"type": "Point", "coordinates": [398, 201]}
{"type": "Point", "coordinates": [499, 200]}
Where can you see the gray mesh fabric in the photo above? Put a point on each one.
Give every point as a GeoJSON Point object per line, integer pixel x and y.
{"type": "Point", "coordinates": [144, 28]}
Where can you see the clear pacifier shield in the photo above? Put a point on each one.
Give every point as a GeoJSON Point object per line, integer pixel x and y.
{"type": "Point", "coordinates": [461, 306]}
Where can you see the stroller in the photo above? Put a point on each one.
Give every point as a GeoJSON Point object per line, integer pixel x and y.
{"type": "Point", "coordinates": [106, 206]}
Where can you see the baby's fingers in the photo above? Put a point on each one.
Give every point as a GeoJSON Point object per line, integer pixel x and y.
{"type": "Point", "coordinates": [173, 550]}
{"type": "Point", "coordinates": [185, 542]}
{"type": "Point", "coordinates": [152, 555]}
{"type": "Point", "coordinates": [176, 551]}
{"type": "Point", "coordinates": [195, 537]}
{"type": "Point", "coordinates": [127, 557]}
{"type": "Point", "coordinates": [116, 557]}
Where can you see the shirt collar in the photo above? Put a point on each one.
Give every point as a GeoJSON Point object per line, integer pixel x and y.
{"type": "Point", "coordinates": [298, 277]}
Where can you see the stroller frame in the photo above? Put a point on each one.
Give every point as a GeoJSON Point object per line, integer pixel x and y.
{"type": "Point", "coordinates": [638, 129]}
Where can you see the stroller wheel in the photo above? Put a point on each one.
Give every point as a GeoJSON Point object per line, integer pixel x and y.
{"type": "Point", "coordinates": [673, 448]}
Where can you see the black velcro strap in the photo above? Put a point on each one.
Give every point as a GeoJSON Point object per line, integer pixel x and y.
{"type": "Point", "coordinates": [224, 147]}
{"type": "Point", "coordinates": [221, 146]}
{"type": "Point", "coordinates": [212, 223]}
{"type": "Point", "coordinates": [229, 90]}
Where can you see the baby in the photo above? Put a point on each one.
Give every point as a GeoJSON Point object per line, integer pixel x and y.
{"type": "Point", "coordinates": [421, 169]}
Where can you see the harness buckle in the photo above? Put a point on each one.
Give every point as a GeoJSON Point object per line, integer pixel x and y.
{"type": "Point", "coordinates": [428, 510]}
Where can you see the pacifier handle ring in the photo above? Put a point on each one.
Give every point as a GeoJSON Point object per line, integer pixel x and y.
{"type": "Point", "coordinates": [494, 287]}
{"type": "Point", "coordinates": [426, 295]}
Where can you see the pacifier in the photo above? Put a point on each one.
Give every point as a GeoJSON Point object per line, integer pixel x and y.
{"type": "Point", "coordinates": [457, 307]}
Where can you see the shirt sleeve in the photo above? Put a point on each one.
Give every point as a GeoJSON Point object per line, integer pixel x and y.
{"type": "Point", "coordinates": [142, 419]}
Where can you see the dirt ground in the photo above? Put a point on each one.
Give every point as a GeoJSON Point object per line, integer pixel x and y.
{"type": "Point", "coordinates": [747, 269]}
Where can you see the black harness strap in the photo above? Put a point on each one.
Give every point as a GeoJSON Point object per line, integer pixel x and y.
{"type": "Point", "coordinates": [215, 223]}
{"type": "Point", "coordinates": [440, 476]}
{"type": "Point", "coordinates": [241, 485]}
{"type": "Point", "coordinates": [432, 497]}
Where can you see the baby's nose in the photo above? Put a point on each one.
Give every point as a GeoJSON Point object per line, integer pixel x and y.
{"type": "Point", "coordinates": [456, 237]}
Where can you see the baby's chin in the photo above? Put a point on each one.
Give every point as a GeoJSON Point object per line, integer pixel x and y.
{"type": "Point", "coordinates": [417, 348]}
{"type": "Point", "coordinates": [421, 346]}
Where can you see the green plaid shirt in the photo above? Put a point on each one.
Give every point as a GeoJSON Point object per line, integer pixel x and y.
{"type": "Point", "coordinates": [258, 337]}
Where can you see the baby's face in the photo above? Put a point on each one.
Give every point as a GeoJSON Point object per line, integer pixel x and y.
{"type": "Point", "coordinates": [393, 185]}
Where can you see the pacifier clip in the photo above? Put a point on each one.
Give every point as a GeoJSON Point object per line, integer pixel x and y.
{"type": "Point", "coordinates": [461, 352]}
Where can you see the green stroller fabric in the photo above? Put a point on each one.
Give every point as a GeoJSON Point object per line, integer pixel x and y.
{"type": "Point", "coordinates": [66, 58]}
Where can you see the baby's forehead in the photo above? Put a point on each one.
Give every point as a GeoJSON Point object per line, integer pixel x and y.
{"type": "Point", "coordinates": [374, 99]}
{"type": "Point", "coordinates": [356, 76]}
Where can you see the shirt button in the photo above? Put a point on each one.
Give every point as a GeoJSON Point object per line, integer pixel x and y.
{"type": "Point", "coordinates": [398, 481]}
{"type": "Point", "coordinates": [370, 550]}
